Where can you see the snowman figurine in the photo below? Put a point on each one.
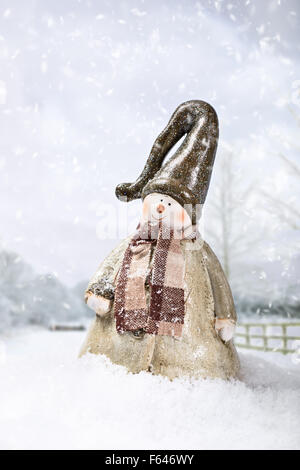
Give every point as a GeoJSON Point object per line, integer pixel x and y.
{"type": "Point", "coordinates": [162, 301]}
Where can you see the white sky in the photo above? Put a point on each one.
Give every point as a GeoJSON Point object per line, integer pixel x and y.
{"type": "Point", "coordinates": [86, 86]}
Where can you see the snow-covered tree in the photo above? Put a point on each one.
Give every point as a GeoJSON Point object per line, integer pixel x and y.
{"type": "Point", "coordinates": [28, 299]}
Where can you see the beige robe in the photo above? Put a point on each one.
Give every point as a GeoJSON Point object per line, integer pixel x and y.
{"type": "Point", "coordinates": [199, 352]}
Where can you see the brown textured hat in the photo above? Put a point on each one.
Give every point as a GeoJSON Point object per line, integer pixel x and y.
{"type": "Point", "coordinates": [186, 175]}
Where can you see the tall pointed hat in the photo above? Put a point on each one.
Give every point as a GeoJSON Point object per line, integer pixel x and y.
{"type": "Point", "coordinates": [186, 175]}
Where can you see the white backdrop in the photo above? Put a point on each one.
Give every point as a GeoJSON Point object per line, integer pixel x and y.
{"type": "Point", "coordinates": [85, 88]}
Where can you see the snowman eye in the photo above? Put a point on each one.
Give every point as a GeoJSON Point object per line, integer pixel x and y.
{"type": "Point", "coordinates": [161, 200]}
{"type": "Point", "coordinates": [169, 204]}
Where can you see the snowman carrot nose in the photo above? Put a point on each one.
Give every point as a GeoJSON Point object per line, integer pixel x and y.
{"type": "Point", "coordinates": [160, 208]}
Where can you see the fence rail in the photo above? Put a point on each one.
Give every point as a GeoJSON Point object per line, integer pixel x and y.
{"type": "Point", "coordinates": [66, 327]}
{"type": "Point", "coordinates": [284, 337]}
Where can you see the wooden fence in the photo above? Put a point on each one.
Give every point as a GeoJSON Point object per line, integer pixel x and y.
{"type": "Point", "coordinates": [66, 327]}
{"type": "Point", "coordinates": [265, 337]}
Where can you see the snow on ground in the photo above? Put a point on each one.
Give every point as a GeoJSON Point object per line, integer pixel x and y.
{"type": "Point", "coordinates": [51, 400]}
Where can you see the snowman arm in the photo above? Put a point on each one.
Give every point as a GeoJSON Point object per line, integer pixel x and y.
{"type": "Point", "coordinates": [223, 300]}
{"type": "Point", "coordinates": [102, 282]}
{"type": "Point", "coordinates": [225, 327]}
{"type": "Point", "coordinates": [99, 304]}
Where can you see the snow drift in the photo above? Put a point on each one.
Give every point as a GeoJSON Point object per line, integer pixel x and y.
{"type": "Point", "coordinates": [51, 400]}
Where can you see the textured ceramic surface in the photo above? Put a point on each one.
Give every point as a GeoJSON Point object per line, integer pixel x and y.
{"type": "Point", "coordinates": [186, 175]}
{"type": "Point", "coordinates": [200, 352]}
{"type": "Point", "coordinates": [173, 191]}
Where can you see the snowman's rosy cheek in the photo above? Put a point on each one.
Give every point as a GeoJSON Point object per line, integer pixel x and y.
{"type": "Point", "coordinates": [181, 216]}
{"type": "Point", "coordinates": [145, 209]}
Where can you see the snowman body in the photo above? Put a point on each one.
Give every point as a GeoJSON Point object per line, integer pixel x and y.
{"type": "Point", "coordinates": [205, 347]}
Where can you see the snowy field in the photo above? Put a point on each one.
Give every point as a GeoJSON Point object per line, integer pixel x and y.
{"type": "Point", "coordinates": [51, 400]}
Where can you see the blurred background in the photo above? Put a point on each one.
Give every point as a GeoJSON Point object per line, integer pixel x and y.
{"type": "Point", "coordinates": [86, 87]}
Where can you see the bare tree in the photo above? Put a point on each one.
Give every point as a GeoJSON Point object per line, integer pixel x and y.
{"type": "Point", "coordinates": [286, 210]}
{"type": "Point", "coordinates": [228, 227]}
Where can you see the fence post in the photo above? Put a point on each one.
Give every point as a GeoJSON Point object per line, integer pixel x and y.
{"type": "Point", "coordinates": [247, 335]}
{"type": "Point", "coordinates": [284, 339]}
{"type": "Point", "coordinates": [265, 338]}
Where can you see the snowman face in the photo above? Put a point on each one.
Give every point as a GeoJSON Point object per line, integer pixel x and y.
{"type": "Point", "coordinates": [161, 207]}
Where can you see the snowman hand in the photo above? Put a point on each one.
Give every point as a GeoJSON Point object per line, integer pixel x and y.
{"type": "Point", "coordinates": [99, 304]}
{"type": "Point", "coordinates": [225, 328]}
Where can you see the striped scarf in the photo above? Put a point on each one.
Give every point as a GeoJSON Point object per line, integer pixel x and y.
{"type": "Point", "coordinates": [165, 313]}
